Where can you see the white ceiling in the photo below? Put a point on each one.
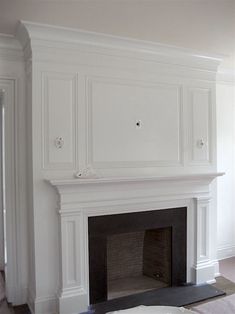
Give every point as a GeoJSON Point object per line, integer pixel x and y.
{"type": "Point", "coordinates": [207, 25]}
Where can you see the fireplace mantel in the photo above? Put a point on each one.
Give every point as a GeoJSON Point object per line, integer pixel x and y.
{"type": "Point", "coordinates": [121, 108]}
{"type": "Point", "coordinates": [205, 177]}
{"type": "Point", "coordinates": [80, 199]}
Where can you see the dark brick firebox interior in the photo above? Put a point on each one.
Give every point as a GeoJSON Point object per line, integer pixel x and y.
{"type": "Point", "coordinates": [171, 221]}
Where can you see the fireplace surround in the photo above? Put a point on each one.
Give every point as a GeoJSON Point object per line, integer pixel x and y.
{"type": "Point", "coordinates": [156, 225]}
{"type": "Point", "coordinates": [82, 199]}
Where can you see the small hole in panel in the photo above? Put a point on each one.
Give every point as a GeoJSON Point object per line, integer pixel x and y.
{"type": "Point", "coordinates": [138, 124]}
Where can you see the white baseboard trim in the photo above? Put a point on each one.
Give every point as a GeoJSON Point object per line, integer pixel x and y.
{"type": "Point", "coordinates": [205, 272]}
{"type": "Point", "coordinates": [216, 265]}
{"type": "Point", "coordinates": [42, 305]}
{"type": "Point", "coordinates": [21, 296]}
{"type": "Point", "coordinates": [30, 301]}
{"type": "Point", "coordinates": [46, 305]}
{"type": "Point", "coordinates": [18, 295]}
{"type": "Point", "coordinates": [226, 252]}
{"type": "Point", "coordinates": [72, 301]}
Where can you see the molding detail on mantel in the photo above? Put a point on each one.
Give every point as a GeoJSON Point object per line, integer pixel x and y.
{"type": "Point", "coordinates": [208, 177]}
{"type": "Point", "coordinates": [80, 199]}
{"type": "Point", "coordinates": [69, 39]}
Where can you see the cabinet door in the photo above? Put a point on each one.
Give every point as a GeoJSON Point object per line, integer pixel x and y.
{"type": "Point", "coordinates": [199, 125]}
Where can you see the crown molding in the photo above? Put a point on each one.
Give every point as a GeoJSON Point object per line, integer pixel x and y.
{"type": "Point", "coordinates": [68, 40]}
{"type": "Point", "coordinates": [10, 48]}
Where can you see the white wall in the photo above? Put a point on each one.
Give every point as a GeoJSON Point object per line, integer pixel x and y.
{"type": "Point", "coordinates": [12, 80]}
{"type": "Point", "coordinates": [1, 207]}
{"type": "Point", "coordinates": [66, 80]}
{"type": "Point", "coordinates": [207, 25]}
{"type": "Point", "coordinates": [226, 163]}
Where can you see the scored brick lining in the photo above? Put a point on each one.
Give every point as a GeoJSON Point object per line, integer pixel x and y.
{"type": "Point", "coordinates": [140, 253]}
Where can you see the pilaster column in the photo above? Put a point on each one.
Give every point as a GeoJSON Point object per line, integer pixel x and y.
{"type": "Point", "coordinates": [204, 265]}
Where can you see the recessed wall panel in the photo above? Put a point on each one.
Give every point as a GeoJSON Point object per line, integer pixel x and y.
{"type": "Point", "coordinates": [134, 124]}
{"type": "Point", "coordinates": [59, 116]}
{"type": "Point", "coordinates": [200, 125]}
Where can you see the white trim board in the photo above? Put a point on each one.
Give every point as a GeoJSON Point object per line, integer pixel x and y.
{"type": "Point", "coordinates": [226, 252]}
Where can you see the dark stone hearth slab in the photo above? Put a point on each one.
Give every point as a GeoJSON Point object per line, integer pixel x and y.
{"type": "Point", "coordinates": [172, 296]}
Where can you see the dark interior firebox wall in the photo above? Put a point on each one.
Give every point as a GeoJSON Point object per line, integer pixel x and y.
{"type": "Point", "coordinates": [136, 252]}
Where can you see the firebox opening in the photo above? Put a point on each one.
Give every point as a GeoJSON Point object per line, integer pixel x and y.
{"type": "Point", "coordinates": [138, 262]}
{"type": "Point", "coordinates": [134, 252]}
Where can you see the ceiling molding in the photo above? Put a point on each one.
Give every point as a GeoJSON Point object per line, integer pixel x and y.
{"type": "Point", "coordinates": [68, 40]}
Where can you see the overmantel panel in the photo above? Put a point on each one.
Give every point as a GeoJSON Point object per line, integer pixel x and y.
{"type": "Point", "coordinates": [125, 111]}
{"type": "Point", "coordinates": [149, 115]}
{"type": "Point", "coordinates": [127, 123]}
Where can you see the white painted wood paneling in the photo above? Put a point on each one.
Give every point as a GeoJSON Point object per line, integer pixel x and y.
{"type": "Point", "coordinates": [59, 119]}
{"type": "Point", "coordinates": [134, 124]}
{"type": "Point", "coordinates": [200, 118]}
{"type": "Point", "coordinates": [91, 90]}
{"type": "Point", "coordinates": [2, 264]}
{"type": "Point", "coordinates": [94, 197]}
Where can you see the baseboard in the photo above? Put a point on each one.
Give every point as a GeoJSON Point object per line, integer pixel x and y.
{"type": "Point", "coordinates": [216, 265]}
{"type": "Point", "coordinates": [30, 301]}
{"type": "Point", "coordinates": [46, 305]}
{"type": "Point", "coordinates": [18, 294]}
{"type": "Point", "coordinates": [42, 305]}
{"type": "Point", "coordinates": [226, 252]}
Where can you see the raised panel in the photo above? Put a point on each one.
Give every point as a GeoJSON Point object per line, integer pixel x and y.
{"type": "Point", "coordinates": [71, 252]}
{"type": "Point", "coordinates": [59, 120]}
{"type": "Point", "coordinates": [200, 125]}
{"type": "Point", "coordinates": [133, 124]}
{"type": "Point", "coordinates": [202, 230]}
{"type": "Point", "coordinates": [71, 247]}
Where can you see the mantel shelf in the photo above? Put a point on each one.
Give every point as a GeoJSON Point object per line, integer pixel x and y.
{"type": "Point", "coordinates": [116, 180]}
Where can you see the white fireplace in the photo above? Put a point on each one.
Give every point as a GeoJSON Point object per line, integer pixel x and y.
{"type": "Point", "coordinates": [83, 198]}
{"type": "Point", "coordinates": [117, 125]}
